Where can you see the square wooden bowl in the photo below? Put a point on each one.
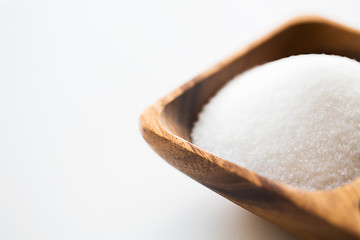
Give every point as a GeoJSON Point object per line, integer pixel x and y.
{"type": "Point", "coordinates": [166, 126]}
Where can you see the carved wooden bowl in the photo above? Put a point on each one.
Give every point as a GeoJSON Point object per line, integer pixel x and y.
{"type": "Point", "coordinates": [166, 126]}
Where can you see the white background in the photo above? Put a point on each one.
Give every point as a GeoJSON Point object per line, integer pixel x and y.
{"type": "Point", "coordinates": [74, 77]}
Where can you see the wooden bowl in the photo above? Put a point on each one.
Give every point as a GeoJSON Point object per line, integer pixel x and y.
{"type": "Point", "coordinates": [166, 126]}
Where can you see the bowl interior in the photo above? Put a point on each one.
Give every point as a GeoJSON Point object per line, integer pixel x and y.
{"type": "Point", "coordinates": [303, 37]}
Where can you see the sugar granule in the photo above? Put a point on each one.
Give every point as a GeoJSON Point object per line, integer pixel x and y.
{"type": "Point", "coordinates": [295, 120]}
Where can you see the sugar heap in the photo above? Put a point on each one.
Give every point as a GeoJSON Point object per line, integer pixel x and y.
{"type": "Point", "coordinates": [295, 120]}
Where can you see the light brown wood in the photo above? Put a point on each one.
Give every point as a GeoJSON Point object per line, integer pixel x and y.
{"type": "Point", "coordinates": [166, 126]}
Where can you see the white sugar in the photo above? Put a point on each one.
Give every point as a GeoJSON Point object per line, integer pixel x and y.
{"type": "Point", "coordinates": [296, 120]}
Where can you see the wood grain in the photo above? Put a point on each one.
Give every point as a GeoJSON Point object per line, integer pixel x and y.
{"type": "Point", "coordinates": [166, 126]}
